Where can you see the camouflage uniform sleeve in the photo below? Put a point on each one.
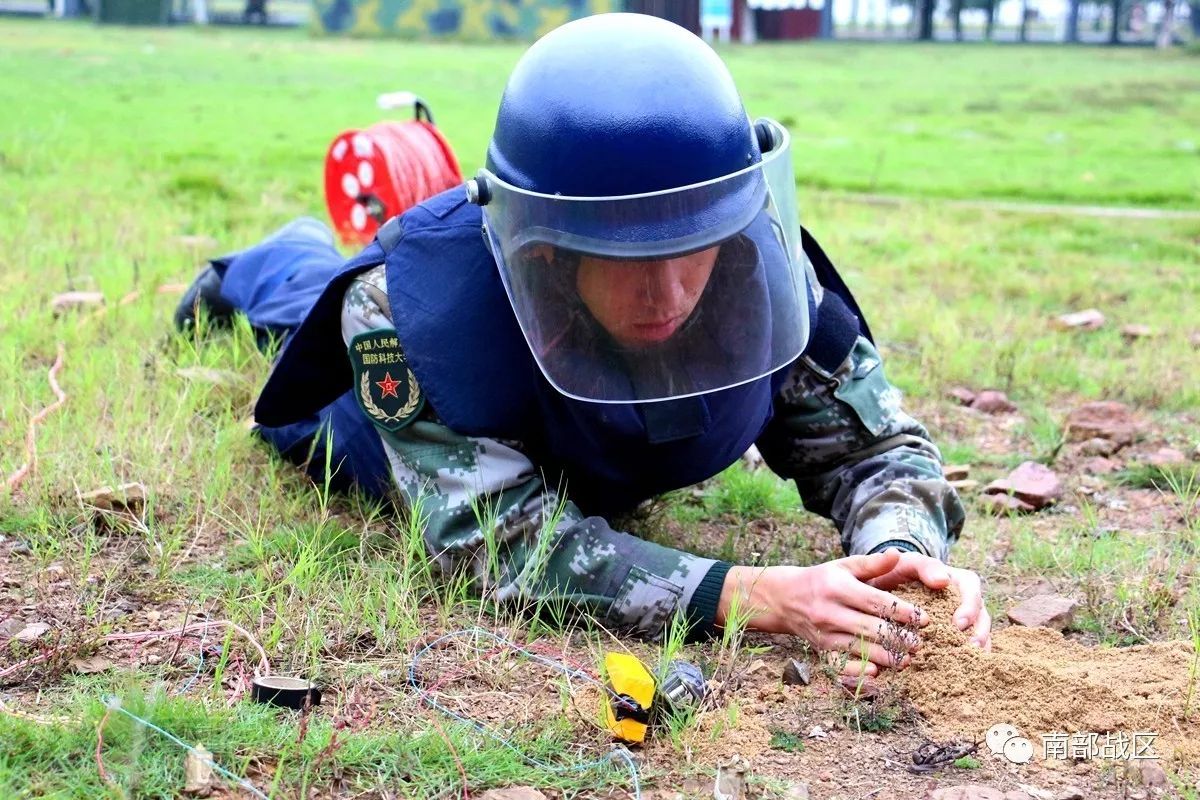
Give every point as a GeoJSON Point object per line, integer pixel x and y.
{"type": "Point", "coordinates": [859, 459]}
{"type": "Point", "coordinates": [485, 508]}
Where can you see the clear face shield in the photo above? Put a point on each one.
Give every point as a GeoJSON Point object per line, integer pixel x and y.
{"type": "Point", "coordinates": [662, 295]}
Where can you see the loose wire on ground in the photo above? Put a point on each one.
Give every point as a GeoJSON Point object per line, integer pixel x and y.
{"type": "Point", "coordinates": [113, 704]}
{"type": "Point", "coordinates": [616, 754]}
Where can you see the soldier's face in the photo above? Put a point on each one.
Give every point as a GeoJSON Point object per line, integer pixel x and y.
{"type": "Point", "coordinates": [642, 303]}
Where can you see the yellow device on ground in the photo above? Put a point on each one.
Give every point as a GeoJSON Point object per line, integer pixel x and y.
{"type": "Point", "coordinates": [627, 709]}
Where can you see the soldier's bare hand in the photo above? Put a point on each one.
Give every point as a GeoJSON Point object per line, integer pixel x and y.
{"type": "Point", "coordinates": [970, 614]}
{"type": "Point", "coordinates": [833, 606]}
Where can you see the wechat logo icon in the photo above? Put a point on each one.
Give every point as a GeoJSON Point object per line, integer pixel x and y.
{"type": "Point", "coordinates": [1005, 740]}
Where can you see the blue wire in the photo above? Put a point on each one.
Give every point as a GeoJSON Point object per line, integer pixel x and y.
{"type": "Point", "coordinates": [115, 705]}
{"type": "Point", "coordinates": [200, 666]}
{"type": "Point", "coordinates": [617, 753]}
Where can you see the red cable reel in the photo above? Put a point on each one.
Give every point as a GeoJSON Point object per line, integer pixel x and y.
{"type": "Point", "coordinates": [374, 174]}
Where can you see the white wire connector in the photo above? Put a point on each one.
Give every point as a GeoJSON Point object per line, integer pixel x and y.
{"type": "Point", "coordinates": [393, 100]}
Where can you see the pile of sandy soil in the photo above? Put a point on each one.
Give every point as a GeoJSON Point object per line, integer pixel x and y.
{"type": "Point", "coordinates": [1040, 682]}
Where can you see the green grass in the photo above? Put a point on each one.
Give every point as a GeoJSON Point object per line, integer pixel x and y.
{"type": "Point", "coordinates": [786, 741]}
{"type": "Point", "coordinates": [118, 142]}
{"type": "Point", "coordinates": [411, 757]}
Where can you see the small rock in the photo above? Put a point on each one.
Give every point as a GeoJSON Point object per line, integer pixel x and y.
{"type": "Point", "coordinates": [1071, 793]}
{"type": "Point", "coordinates": [817, 732]}
{"type": "Point", "coordinates": [31, 632]}
{"type": "Point", "coordinates": [962, 395]}
{"type": "Point", "coordinates": [1151, 772]}
{"type": "Point", "coordinates": [1101, 466]}
{"type": "Point", "coordinates": [1044, 611]}
{"type": "Point", "coordinates": [513, 793]}
{"type": "Point", "coordinates": [757, 665]}
{"type": "Point", "coordinates": [964, 486]}
{"type": "Point", "coordinates": [55, 572]}
{"type": "Point", "coordinates": [1035, 792]}
{"type": "Point", "coordinates": [796, 791]}
{"type": "Point", "coordinates": [91, 664]}
{"type": "Point", "coordinates": [690, 786]}
{"type": "Point", "coordinates": [730, 783]}
{"type": "Point", "coordinates": [11, 627]}
{"type": "Point", "coordinates": [1098, 447]}
{"type": "Point", "coordinates": [1087, 320]}
{"type": "Point", "coordinates": [198, 772]}
{"type": "Point", "coordinates": [1033, 483]}
{"type": "Point", "coordinates": [126, 497]}
{"type": "Point", "coordinates": [1104, 419]}
{"type": "Point", "coordinates": [993, 402]}
{"type": "Point", "coordinates": [797, 672]}
{"type": "Point", "coordinates": [75, 301]}
{"type": "Point", "coordinates": [825, 777]}
{"type": "Point", "coordinates": [1166, 457]}
{"type": "Point", "coordinates": [1134, 332]}
{"type": "Point", "coordinates": [967, 791]}
{"type": "Point", "coordinates": [956, 472]}
{"type": "Point", "coordinates": [1001, 504]}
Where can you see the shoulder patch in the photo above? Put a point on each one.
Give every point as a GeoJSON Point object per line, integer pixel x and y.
{"type": "Point", "coordinates": [386, 388]}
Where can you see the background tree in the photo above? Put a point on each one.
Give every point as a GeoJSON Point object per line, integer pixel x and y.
{"type": "Point", "coordinates": [1072, 32]}
{"type": "Point", "coordinates": [925, 23]}
{"type": "Point", "coordinates": [1114, 32]}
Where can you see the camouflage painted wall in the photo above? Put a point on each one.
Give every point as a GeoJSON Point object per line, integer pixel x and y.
{"type": "Point", "coordinates": [453, 19]}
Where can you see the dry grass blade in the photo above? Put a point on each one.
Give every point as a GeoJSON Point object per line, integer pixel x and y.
{"type": "Point", "coordinates": [30, 463]}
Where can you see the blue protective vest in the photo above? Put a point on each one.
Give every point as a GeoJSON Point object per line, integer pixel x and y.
{"type": "Point", "coordinates": [464, 345]}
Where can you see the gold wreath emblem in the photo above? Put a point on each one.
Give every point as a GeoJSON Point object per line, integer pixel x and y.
{"type": "Point", "coordinates": [414, 397]}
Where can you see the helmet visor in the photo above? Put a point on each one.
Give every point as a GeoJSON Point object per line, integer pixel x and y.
{"type": "Point", "coordinates": [662, 295]}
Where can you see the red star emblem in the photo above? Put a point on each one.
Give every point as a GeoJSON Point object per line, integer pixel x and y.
{"type": "Point", "coordinates": [388, 386]}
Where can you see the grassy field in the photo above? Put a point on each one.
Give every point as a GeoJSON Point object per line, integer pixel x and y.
{"type": "Point", "coordinates": [116, 146]}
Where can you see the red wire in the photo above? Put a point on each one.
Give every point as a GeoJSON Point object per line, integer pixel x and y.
{"type": "Point", "coordinates": [419, 165]}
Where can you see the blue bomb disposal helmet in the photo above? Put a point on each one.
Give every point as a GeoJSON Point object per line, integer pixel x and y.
{"type": "Point", "coordinates": [646, 232]}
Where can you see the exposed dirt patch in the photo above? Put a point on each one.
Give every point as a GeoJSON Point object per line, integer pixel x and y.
{"type": "Point", "coordinates": [1042, 683]}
